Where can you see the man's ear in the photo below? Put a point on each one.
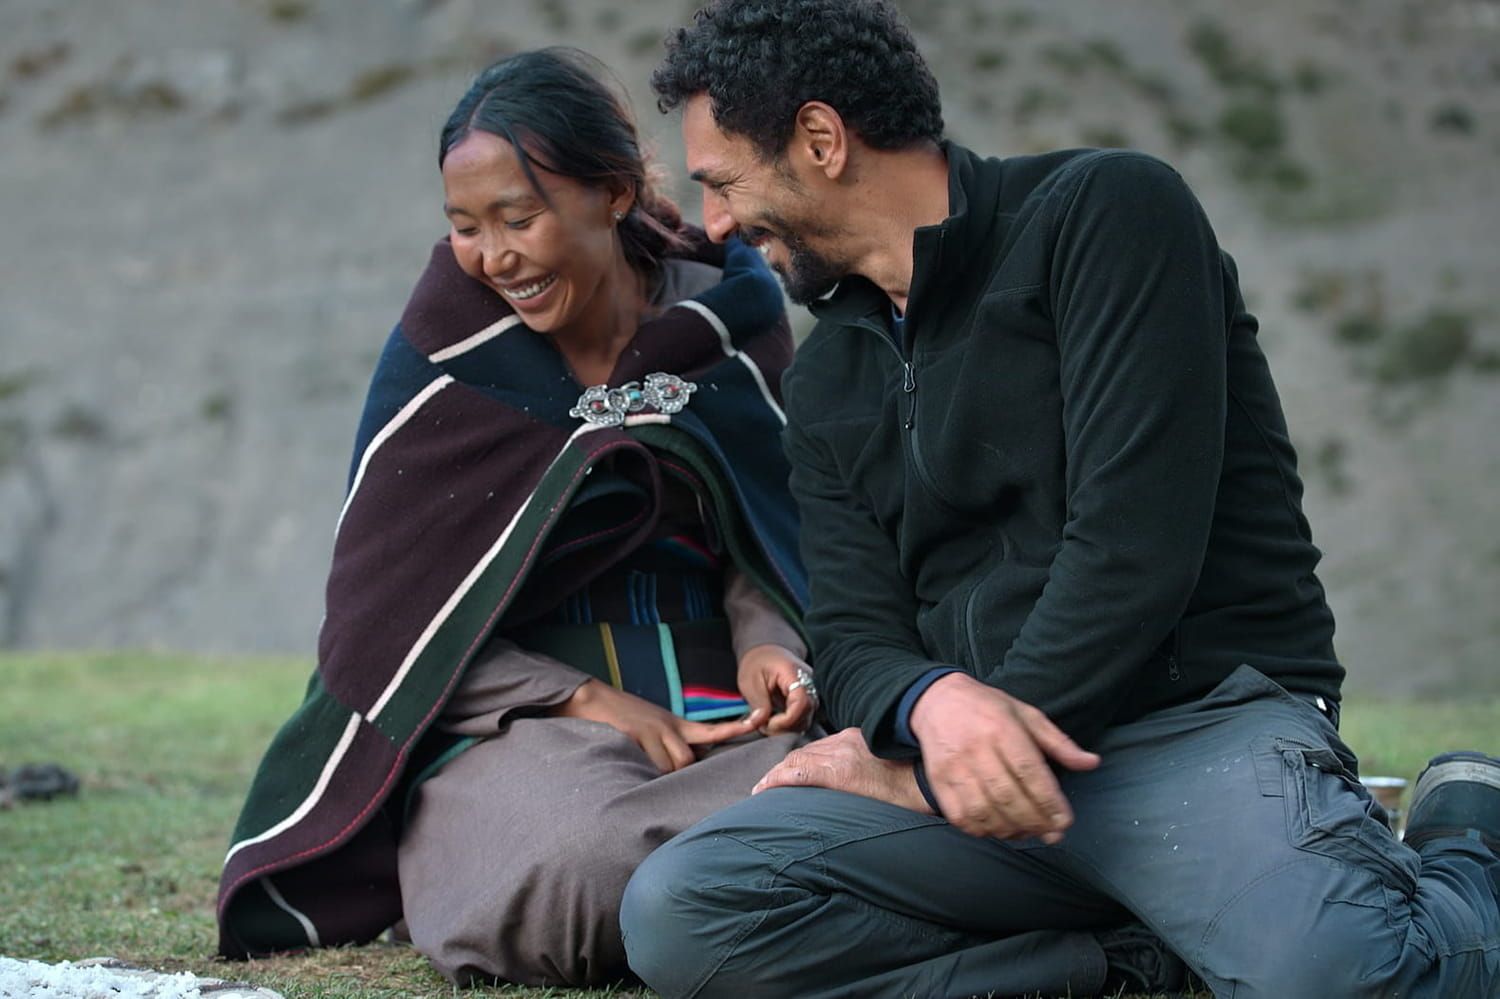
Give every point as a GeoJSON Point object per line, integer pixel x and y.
{"type": "Point", "coordinates": [820, 142]}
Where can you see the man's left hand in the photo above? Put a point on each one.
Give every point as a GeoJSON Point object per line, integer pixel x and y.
{"type": "Point", "coordinates": [780, 685]}
{"type": "Point", "coordinates": [843, 762]}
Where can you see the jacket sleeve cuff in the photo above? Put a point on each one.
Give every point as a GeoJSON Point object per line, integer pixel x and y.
{"type": "Point", "coordinates": [902, 728]}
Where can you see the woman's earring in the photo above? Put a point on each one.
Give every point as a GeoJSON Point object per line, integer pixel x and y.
{"type": "Point", "coordinates": [619, 216]}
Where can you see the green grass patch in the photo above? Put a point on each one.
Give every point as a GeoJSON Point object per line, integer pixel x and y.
{"type": "Point", "coordinates": [1256, 127]}
{"type": "Point", "coordinates": [1397, 738]}
{"type": "Point", "coordinates": [990, 60]}
{"type": "Point", "coordinates": [1456, 119]}
{"type": "Point", "coordinates": [1424, 349]}
{"type": "Point", "coordinates": [1431, 346]}
{"type": "Point", "coordinates": [1229, 63]}
{"type": "Point", "coordinates": [165, 747]}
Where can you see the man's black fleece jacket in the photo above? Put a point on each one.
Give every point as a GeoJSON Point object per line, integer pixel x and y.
{"type": "Point", "coordinates": [1070, 477]}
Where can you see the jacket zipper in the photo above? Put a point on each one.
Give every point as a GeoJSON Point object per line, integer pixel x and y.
{"type": "Point", "coordinates": [909, 422]}
{"type": "Point", "coordinates": [908, 373]}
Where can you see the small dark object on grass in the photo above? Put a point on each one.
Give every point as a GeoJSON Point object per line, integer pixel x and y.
{"type": "Point", "coordinates": [39, 782]}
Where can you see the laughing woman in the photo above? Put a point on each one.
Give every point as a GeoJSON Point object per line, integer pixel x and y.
{"type": "Point", "coordinates": [562, 618]}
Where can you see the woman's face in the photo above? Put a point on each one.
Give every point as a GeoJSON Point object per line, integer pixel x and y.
{"type": "Point", "coordinates": [557, 260]}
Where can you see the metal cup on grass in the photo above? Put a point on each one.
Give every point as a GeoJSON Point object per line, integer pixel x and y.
{"type": "Point", "coordinates": [1389, 791]}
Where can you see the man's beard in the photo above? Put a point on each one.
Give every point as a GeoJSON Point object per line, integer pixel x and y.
{"type": "Point", "coordinates": [808, 275]}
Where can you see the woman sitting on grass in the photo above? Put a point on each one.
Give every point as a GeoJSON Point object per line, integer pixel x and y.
{"type": "Point", "coordinates": [563, 575]}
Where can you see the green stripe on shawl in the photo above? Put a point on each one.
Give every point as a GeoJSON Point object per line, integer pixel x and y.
{"type": "Point", "coordinates": [742, 548]}
{"type": "Point", "coordinates": [258, 918]}
{"type": "Point", "coordinates": [454, 644]}
{"type": "Point", "coordinates": [311, 733]}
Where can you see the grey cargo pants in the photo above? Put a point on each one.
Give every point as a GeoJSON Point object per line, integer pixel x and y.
{"type": "Point", "coordinates": [1232, 827]}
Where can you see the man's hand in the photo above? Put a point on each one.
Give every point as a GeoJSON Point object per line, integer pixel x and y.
{"type": "Point", "coordinates": [767, 679]}
{"type": "Point", "coordinates": [664, 737]}
{"type": "Point", "coordinates": [844, 763]}
{"type": "Point", "coordinates": [986, 754]}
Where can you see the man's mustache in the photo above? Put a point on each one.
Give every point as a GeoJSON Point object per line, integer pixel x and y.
{"type": "Point", "coordinates": [754, 234]}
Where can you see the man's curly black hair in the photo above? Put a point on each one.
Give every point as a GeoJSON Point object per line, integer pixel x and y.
{"type": "Point", "coordinates": [759, 61]}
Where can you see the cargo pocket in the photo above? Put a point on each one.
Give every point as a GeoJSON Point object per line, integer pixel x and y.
{"type": "Point", "coordinates": [1330, 813]}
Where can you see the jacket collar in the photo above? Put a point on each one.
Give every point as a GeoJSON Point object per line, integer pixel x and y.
{"type": "Point", "coordinates": [939, 251]}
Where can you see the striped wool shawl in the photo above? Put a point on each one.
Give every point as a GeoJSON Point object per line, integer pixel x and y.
{"type": "Point", "coordinates": [465, 460]}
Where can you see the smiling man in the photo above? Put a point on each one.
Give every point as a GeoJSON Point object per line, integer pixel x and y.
{"type": "Point", "coordinates": [1063, 593]}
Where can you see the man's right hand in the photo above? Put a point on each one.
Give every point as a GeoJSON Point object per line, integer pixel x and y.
{"type": "Point", "coordinates": [668, 740]}
{"type": "Point", "coordinates": [985, 755]}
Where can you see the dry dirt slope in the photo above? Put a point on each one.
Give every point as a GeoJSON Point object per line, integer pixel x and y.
{"type": "Point", "coordinates": [213, 210]}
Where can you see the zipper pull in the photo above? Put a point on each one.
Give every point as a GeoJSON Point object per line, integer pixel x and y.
{"type": "Point", "coordinates": [909, 385]}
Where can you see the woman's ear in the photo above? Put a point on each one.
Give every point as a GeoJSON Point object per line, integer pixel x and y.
{"type": "Point", "coordinates": [620, 204]}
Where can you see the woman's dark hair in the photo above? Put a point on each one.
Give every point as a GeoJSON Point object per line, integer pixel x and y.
{"type": "Point", "coordinates": [759, 61]}
{"type": "Point", "coordinates": [553, 106]}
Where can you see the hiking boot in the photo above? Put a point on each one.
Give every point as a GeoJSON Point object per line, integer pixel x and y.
{"type": "Point", "coordinates": [1457, 795]}
{"type": "Point", "coordinates": [1139, 962]}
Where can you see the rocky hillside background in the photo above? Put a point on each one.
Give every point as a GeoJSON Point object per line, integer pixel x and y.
{"type": "Point", "coordinates": [211, 212]}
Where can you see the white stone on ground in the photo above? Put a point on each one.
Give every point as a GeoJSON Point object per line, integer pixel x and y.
{"type": "Point", "coordinates": [108, 979]}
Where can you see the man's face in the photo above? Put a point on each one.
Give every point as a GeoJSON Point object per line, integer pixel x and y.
{"type": "Point", "coordinates": [763, 203]}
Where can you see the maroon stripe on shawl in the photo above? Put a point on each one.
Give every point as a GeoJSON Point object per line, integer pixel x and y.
{"type": "Point", "coordinates": [679, 341]}
{"type": "Point", "coordinates": [683, 343]}
{"type": "Point", "coordinates": [363, 779]}
{"type": "Point", "coordinates": [447, 305]}
{"type": "Point", "coordinates": [772, 353]}
{"type": "Point", "coordinates": [434, 498]}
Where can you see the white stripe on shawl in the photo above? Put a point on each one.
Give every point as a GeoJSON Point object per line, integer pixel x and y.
{"type": "Point", "coordinates": [411, 657]}
{"type": "Point", "coordinates": [727, 346]}
{"type": "Point", "coordinates": [463, 589]}
{"type": "Point", "coordinates": [312, 799]}
{"type": "Point", "coordinates": [725, 343]}
{"type": "Point", "coordinates": [469, 343]}
{"type": "Point", "coordinates": [280, 900]}
{"type": "Point", "coordinates": [397, 422]}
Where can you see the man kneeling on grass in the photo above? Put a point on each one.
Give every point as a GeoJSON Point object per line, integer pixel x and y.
{"type": "Point", "coordinates": [1063, 591]}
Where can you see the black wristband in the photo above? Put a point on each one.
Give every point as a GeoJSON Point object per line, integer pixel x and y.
{"type": "Point", "coordinates": [926, 788]}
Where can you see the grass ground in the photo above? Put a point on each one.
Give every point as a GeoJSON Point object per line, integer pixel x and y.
{"type": "Point", "coordinates": [165, 747]}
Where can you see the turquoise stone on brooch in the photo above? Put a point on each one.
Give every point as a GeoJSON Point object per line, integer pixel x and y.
{"type": "Point", "coordinates": [608, 407]}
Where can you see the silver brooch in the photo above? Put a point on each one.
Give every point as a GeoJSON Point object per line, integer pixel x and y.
{"type": "Point", "coordinates": [608, 407]}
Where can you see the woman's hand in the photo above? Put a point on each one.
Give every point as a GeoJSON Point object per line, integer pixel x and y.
{"type": "Point", "coordinates": [664, 737]}
{"type": "Point", "coordinates": [779, 689]}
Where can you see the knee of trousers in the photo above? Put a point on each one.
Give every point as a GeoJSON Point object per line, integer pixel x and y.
{"type": "Point", "coordinates": [1348, 937]}
{"type": "Point", "coordinates": [542, 916]}
{"type": "Point", "coordinates": [688, 907]}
